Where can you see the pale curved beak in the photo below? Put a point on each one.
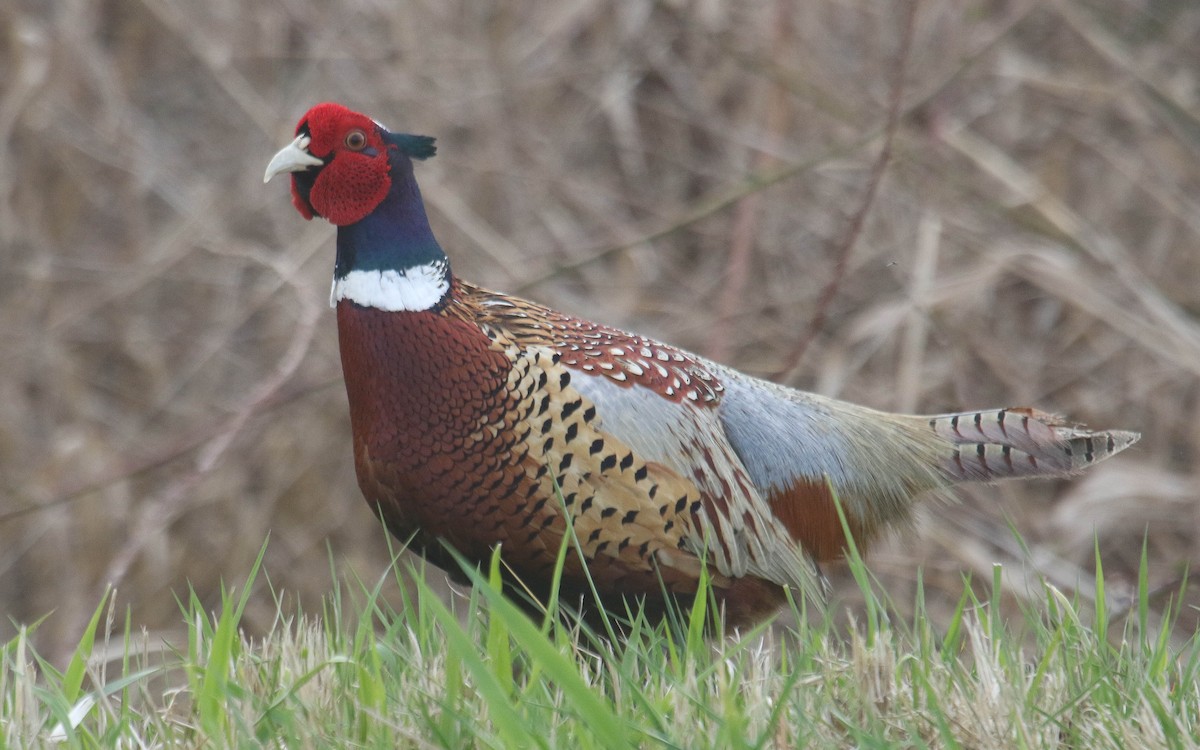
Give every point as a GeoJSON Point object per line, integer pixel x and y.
{"type": "Point", "coordinates": [292, 158]}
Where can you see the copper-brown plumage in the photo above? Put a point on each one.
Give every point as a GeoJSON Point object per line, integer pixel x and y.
{"type": "Point", "coordinates": [483, 420]}
{"type": "Point", "coordinates": [458, 442]}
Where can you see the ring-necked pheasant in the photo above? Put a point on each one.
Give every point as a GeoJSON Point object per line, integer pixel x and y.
{"type": "Point", "coordinates": [471, 410]}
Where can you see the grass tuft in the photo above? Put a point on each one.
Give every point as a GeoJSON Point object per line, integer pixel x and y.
{"type": "Point", "coordinates": [366, 675]}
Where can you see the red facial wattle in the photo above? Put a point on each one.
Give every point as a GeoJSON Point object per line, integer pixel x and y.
{"type": "Point", "coordinates": [355, 178]}
{"type": "Point", "coordinates": [350, 187]}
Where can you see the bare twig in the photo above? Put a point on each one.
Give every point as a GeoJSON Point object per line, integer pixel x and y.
{"type": "Point", "coordinates": [154, 516]}
{"type": "Point", "coordinates": [1102, 248]}
{"type": "Point", "coordinates": [912, 353]}
{"type": "Point", "coordinates": [164, 456]}
{"type": "Point", "coordinates": [744, 231]}
{"type": "Point", "coordinates": [756, 182]}
{"type": "Point", "coordinates": [817, 322]}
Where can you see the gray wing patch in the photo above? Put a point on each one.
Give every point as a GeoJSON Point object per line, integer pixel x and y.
{"type": "Point", "coordinates": [743, 536]}
{"type": "Point", "coordinates": [780, 438]}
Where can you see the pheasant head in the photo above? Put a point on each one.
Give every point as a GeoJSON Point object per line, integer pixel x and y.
{"type": "Point", "coordinates": [356, 174]}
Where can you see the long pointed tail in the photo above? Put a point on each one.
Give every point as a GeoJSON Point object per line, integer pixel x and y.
{"type": "Point", "coordinates": [1021, 442]}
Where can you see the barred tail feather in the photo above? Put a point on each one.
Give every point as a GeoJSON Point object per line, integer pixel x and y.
{"type": "Point", "coordinates": [1020, 442]}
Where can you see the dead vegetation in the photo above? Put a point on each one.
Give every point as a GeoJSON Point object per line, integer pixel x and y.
{"type": "Point", "coordinates": [700, 171]}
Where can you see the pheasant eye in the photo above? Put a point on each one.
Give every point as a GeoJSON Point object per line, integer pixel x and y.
{"type": "Point", "coordinates": [356, 140]}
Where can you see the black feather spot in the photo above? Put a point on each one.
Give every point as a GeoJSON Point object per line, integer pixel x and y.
{"type": "Point", "coordinates": [609, 462]}
{"type": "Point", "coordinates": [544, 405]}
{"type": "Point", "coordinates": [572, 431]}
{"type": "Point", "coordinates": [627, 461]}
{"type": "Point", "coordinates": [641, 473]}
{"type": "Point", "coordinates": [565, 463]}
{"type": "Point", "coordinates": [601, 547]}
{"type": "Point", "coordinates": [680, 504]}
{"type": "Point", "coordinates": [594, 535]}
{"type": "Point", "coordinates": [608, 512]}
{"type": "Point", "coordinates": [564, 379]}
{"type": "Point", "coordinates": [630, 516]}
{"type": "Point", "coordinates": [596, 446]}
{"type": "Point", "coordinates": [589, 414]}
{"type": "Point", "coordinates": [586, 504]}
{"type": "Point", "coordinates": [571, 408]}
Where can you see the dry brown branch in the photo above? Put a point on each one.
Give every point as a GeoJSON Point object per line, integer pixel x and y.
{"type": "Point", "coordinates": [745, 225]}
{"type": "Point", "coordinates": [846, 244]}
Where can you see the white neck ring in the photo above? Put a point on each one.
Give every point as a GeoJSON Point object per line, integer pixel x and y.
{"type": "Point", "coordinates": [394, 290]}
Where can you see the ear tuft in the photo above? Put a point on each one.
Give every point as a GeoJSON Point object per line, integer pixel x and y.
{"type": "Point", "coordinates": [414, 146]}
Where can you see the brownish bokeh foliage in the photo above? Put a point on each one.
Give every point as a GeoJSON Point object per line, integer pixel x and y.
{"type": "Point", "coordinates": [170, 390]}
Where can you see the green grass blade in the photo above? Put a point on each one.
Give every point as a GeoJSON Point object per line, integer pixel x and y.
{"type": "Point", "coordinates": [1143, 590]}
{"type": "Point", "coordinates": [508, 722]}
{"type": "Point", "coordinates": [858, 569]}
{"type": "Point", "coordinates": [214, 686]}
{"type": "Point", "coordinates": [1101, 618]}
{"type": "Point", "coordinates": [497, 643]}
{"type": "Point", "coordinates": [72, 681]}
{"type": "Point", "coordinates": [589, 706]}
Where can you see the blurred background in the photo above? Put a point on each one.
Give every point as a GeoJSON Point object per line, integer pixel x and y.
{"type": "Point", "coordinates": [704, 172]}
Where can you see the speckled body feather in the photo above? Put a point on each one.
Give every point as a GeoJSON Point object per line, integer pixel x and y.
{"type": "Point", "coordinates": [483, 420]}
